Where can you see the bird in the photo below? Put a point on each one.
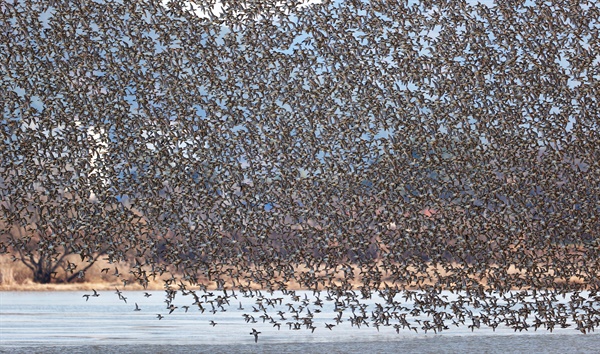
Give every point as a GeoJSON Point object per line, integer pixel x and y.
{"type": "Point", "coordinates": [172, 308]}
{"type": "Point", "coordinates": [255, 333]}
{"type": "Point", "coordinates": [137, 307]}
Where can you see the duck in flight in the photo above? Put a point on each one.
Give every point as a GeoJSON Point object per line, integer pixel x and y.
{"type": "Point", "coordinates": [255, 333]}
{"type": "Point", "coordinates": [171, 308]}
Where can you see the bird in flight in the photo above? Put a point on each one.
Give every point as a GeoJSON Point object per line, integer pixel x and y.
{"type": "Point", "coordinates": [255, 333]}
{"type": "Point", "coordinates": [172, 308]}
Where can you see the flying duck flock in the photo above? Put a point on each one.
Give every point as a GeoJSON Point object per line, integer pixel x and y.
{"type": "Point", "coordinates": [392, 149]}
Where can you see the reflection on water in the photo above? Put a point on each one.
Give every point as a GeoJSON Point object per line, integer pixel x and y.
{"type": "Point", "coordinates": [48, 321]}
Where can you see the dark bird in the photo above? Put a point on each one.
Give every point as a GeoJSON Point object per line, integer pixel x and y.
{"type": "Point", "coordinates": [255, 333]}
{"type": "Point", "coordinates": [172, 308]}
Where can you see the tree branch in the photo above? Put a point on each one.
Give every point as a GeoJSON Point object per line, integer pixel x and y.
{"type": "Point", "coordinates": [91, 263]}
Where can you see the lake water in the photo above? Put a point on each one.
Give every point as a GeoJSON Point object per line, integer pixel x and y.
{"type": "Point", "coordinates": [58, 322]}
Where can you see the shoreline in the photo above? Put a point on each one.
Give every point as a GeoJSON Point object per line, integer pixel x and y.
{"type": "Point", "coordinates": [16, 277]}
{"type": "Point", "coordinates": [87, 286]}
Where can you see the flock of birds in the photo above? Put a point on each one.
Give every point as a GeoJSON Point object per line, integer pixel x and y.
{"type": "Point", "coordinates": [402, 310]}
{"type": "Point", "coordinates": [350, 148]}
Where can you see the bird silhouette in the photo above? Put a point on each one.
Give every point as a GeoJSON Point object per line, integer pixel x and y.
{"type": "Point", "coordinates": [255, 333]}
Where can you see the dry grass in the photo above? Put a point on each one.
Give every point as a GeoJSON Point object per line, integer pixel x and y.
{"type": "Point", "coordinates": [14, 276]}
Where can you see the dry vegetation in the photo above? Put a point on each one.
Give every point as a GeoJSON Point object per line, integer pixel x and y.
{"type": "Point", "coordinates": [14, 276]}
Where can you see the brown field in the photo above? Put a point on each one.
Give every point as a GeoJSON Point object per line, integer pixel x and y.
{"type": "Point", "coordinates": [14, 276]}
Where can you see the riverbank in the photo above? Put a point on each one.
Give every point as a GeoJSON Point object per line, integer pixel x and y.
{"type": "Point", "coordinates": [15, 276]}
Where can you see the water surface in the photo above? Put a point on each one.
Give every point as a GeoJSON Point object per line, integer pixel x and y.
{"type": "Point", "coordinates": [58, 322]}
